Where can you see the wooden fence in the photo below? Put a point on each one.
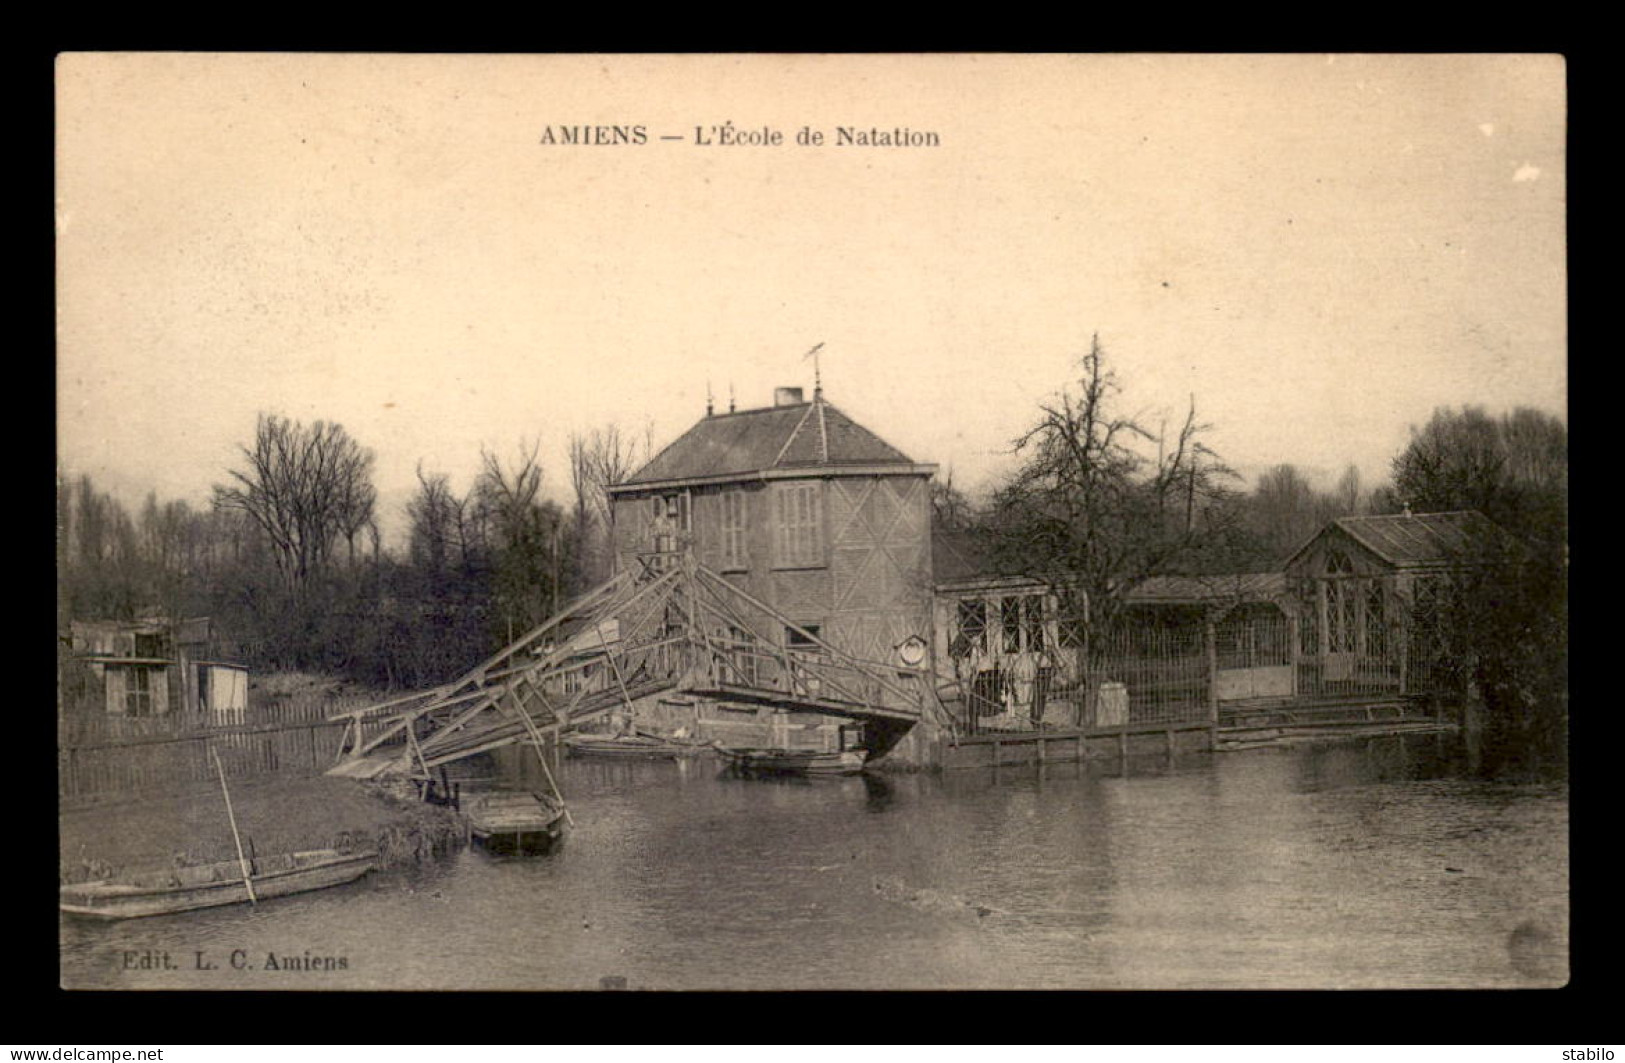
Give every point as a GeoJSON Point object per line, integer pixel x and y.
{"type": "Point", "coordinates": [104, 755]}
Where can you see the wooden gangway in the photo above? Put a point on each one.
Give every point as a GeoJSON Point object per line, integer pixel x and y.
{"type": "Point", "coordinates": [671, 625]}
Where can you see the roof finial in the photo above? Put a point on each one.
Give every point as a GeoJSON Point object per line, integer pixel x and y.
{"type": "Point", "coordinates": [730, 396]}
{"type": "Point", "coordinates": [818, 380]}
{"type": "Point", "coordinates": [708, 396]}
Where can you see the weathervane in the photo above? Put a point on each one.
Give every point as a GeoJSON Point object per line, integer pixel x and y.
{"type": "Point", "coordinates": [818, 380]}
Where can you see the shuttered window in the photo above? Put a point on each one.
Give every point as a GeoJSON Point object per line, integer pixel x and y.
{"type": "Point", "coordinates": [798, 525]}
{"type": "Point", "coordinates": [735, 554]}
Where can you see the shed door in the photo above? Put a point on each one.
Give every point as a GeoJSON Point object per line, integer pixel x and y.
{"type": "Point", "coordinates": [1340, 617]}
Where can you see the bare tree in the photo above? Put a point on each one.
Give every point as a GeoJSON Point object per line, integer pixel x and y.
{"type": "Point", "coordinates": [305, 488]}
{"type": "Point", "coordinates": [434, 514]}
{"type": "Point", "coordinates": [951, 510]}
{"type": "Point", "coordinates": [1349, 497]}
{"type": "Point", "coordinates": [1283, 511]}
{"type": "Point", "coordinates": [1100, 503]}
{"type": "Point", "coordinates": [528, 534]}
{"type": "Point", "coordinates": [597, 460]}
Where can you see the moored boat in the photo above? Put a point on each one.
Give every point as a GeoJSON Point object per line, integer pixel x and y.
{"type": "Point", "coordinates": [515, 822]}
{"type": "Point", "coordinates": [796, 761]}
{"type": "Point", "coordinates": [633, 746]}
{"type": "Point", "coordinates": [184, 889]}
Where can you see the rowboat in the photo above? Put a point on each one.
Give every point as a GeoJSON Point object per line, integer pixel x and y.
{"type": "Point", "coordinates": [184, 889]}
{"type": "Point", "coordinates": [795, 762]}
{"type": "Point", "coordinates": [516, 822]}
{"type": "Point", "coordinates": [635, 747]}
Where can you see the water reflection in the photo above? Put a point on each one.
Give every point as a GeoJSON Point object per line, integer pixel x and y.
{"type": "Point", "coordinates": [878, 793]}
{"type": "Point", "coordinates": [1357, 864]}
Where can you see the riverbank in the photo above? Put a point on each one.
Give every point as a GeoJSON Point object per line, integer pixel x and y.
{"type": "Point", "coordinates": [282, 814]}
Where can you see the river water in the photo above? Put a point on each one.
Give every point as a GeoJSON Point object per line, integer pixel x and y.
{"type": "Point", "coordinates": [1375, 863]}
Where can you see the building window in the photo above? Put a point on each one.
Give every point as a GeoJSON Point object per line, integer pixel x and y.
{"type": "Point", "coordinates": [1376, 628]}
{"type": "Point", "coordinates": [734, 542]}
{"type": "Point", "coordinates": [1010, 622]}
{"type": "Point", "coordinates": [803, 680]}
{"type": "Point", "coordinates": [1342, 610]}
{"type": "Point", "coordinates": [675, 509]}
{"type": "Point", "coordinates": [668, 528]}
{"type": "Point", "coordinates": [798, 525]}
{"type": "Point", "coordinates": [1034, 616]}
{"type": "Point", "coordinates": [795, 640]}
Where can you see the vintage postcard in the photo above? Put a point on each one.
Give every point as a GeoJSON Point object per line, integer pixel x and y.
{"type": "Point", "coordinates": [806, 522]}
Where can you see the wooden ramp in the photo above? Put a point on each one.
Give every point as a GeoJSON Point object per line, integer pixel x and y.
{"type": "Point", "coordinates": [673, 625]}
{"type": "Point", "coordinates": [369, 767]}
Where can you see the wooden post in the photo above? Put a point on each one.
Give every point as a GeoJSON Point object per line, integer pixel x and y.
{"type": "Point", "coordinates": [1211, 638]}
{"type": "Point", "coordinates": [248, 880]}
{"type": "Point", "coordinates": [1122, 747]}
{"type": "Point", "coordinates": [1399, 631]}
{"type": "Point", "coordinates": [1294, 646]}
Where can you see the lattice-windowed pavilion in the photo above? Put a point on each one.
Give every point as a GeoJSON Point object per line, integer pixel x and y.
{"type": "Point", "coordinates": [1373, 595]}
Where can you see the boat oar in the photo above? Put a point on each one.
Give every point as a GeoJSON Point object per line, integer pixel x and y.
{"type": "Point", "coordinates": [567, 817]}
{"type": "Point", "coordinates": [536, 744]}
{"type": "Point", "coordinates": [248, 880]}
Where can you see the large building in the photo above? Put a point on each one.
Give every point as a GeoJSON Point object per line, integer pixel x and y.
{"type": "Point", "coordinates": [802, 508]}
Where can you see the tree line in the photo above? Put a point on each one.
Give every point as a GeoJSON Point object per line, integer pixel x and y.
{"type": "Point", "coordinates": [1100, 501]}
{"type": "Point", "coordinates": [289, 562]}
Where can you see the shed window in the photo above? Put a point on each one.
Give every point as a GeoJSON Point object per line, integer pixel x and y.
{"type": "Point", "coordinates": [138, 692]}
{"type": "Point", "coordinates": [151, 645]}
{"type": "Point", "coordinates": [798, 525]}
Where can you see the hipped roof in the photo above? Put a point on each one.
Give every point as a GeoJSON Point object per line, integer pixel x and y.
{"type": "Point", "coordinates": [801, 435]}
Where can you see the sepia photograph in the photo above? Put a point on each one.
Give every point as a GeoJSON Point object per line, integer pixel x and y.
{"type": "Point", "coordinates": [794, 522]}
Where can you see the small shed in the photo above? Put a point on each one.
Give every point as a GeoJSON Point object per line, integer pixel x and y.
{"type": "Point", "coordinates": [153, 667]}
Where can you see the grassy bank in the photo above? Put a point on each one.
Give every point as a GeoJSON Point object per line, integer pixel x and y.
{"type": "Point", "coordinates": [278, 814]}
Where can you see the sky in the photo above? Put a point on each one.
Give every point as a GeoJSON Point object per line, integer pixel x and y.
{"type": "Point", "coordinates": [1320, 249]}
